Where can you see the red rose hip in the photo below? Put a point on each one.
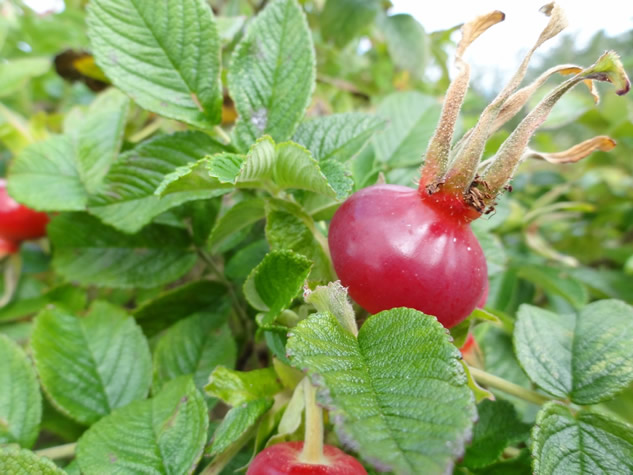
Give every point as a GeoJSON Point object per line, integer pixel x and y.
{"type": "Point", "coordinates": [284, 458]}
{"type": "Point", "coordinates": [392, 247]}
{"type": "Point", "coordinates": [17, 222]}
{"type": "Point", "coordinates": [8, 247]}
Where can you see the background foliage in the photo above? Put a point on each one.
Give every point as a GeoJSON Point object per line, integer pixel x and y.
{"type": "Point", "coordinates": [155, 317]}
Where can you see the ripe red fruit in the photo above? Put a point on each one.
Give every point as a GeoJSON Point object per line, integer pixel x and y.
{"type": "Point", "coordinates": [8, 247]}
{"type": "Point", "coordinates": [468, 345]}
{"type": "Point", "coordinates": [484, 297]}
{"type": "Point", "coordinates": [17, 222]}
{"type": "Point", "coordinates": [393, 247]}
{"type": "Point", "coordinates": [283, 458]}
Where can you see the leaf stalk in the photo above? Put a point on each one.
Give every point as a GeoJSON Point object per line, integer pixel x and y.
{"type": "Point", "coordinates": [58, 452]}
{"type": "Point", "coordinates": [312, 452]}
{"type": "Point", "coordinates": [507, 387]}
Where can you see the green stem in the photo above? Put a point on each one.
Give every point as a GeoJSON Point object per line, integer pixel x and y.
{"type": "Point", "coordinates": [222, 460]}
{"type": "Point", "coordinates": [229, 285]}
{"type": "Point", "coordinates": [146, 131]}
{"type": "Point", "coordinates": [11, 273]}
{"type": "Point", "coordinates": [313, 441]}
{"type": "Point", "coordinates": [507, 387]}
{"type": "Point", "coordinates": [223, 135]}
{"type": "Point", "coordinates": [511, 452]}
{"type": "Point", "coordinates": [59, 452]}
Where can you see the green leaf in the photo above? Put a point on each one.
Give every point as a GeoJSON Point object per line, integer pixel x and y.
{"type": "Point", "coordinates": [45, 176]}
{"type": "Point", "coordinates": [98, 137]}
{"type": "Point", "coordinates": [166, 56]}
{"type": "Point", "coordinates": [272, 74]}
{"type": "Point", "coordinates": [412, 118]}
{"type": "Point", "coordinates": [15, 73]}
{"type": "Point", "coordinates": [165, 434]}
{"type": "Point", "coordinates": [128, 202]}
{"type": "Point", "coordinates": [564, 443]}
{"type": "Point", "coordinates": [283, 166]}
{"type": "Point", "coordinates": [193, 179]}
{"type": "Point", "coordinates": [70, 297]}
{"type": "Point", "coordinates": [237, 423]}
{"type": "Point", "coordinates": [59, 173]}
{"type": "Point", "coordinates": [288, 227]}
{"type": "Point", "coordinates": [242, 263]}
{"type": "Point", "coordinates": [59, 425]}
{"type": "Point", "coordinates": [338, 177]}
{"type": "Point", "coordinates": [398, 392]}
{"type": "Point", "coordinates": [290, 421]}
{"type": "Point", "coordinates": [202, 214]}
{"type": "Point", "coordinates": [275, 282]}
{"type": "Point", "coordinates": [519, 465]}
{"type": "Point", "coordinates": [194, 346]}
{"type": "Point", "coordinates": [229, 27]}
{"type": "Point", "coordinates": [333, 298]}
{"type": "Point", "coordinates": [239, 387]}
{"type": "Point", "coordinates": [337, 136]}
{"type": "Point", "coordinates": [200, 296]}
{"type": "Point", "coordinates": [586, 357]}
{"type": "Point", "coordinates": [611, 283]}
{"type": "Point", "coordinates": [267, 166]}
{"type": "Point", "coordinates": [20, 398]}
{"type": "Point", "coordinates": [237, 217]}
{"type": "Point", "coordinates": [557, 282]}
{"type": "Point", "coordinates": [16, 461]}
{"type": "Point", "coordinates": [93, 253]}
{"type": "Point", "coordinates": [407, 43]}
{"type": "Point", "coordinates": [342, 20]}
{"type": "Point", "coordinates": [72, 468]}
{"type": "Point", "coordinates": [90, 366]}
{"type": "Point", "coordinates": [497, 427]}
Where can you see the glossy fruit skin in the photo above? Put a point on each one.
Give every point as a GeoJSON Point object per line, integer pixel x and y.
{"type": "Point", "coordinates": [393, 248]}
{"type": "Point", "coordinates": [8, 247]}
{"type": "Point", "coordinates": [283, 458]}
{"type": "Point", "coordinates": [17, 222]}
{"type": "Point", "coordinates": [484, 296]}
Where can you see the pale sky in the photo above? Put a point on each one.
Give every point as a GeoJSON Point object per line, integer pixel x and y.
{"type": "Point", "coordinates": [502, 46]}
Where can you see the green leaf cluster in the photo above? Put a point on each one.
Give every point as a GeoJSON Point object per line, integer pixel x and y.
{"type": "Point", "coordinates": [190, 155]}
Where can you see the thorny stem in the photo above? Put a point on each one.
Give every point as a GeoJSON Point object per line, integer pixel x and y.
{"type": "Point", "coordinates": [313, 441]}
{"type": "Point", "coordinates": [59, 452]}
{"type": "Point", "coordinates": [507, 387]}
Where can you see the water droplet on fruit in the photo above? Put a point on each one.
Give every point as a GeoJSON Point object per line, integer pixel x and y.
{"type": "Point", "coordinates": [468, 248]}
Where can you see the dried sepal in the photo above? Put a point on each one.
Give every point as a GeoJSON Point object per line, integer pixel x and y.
{"type": "Point", "coordinates": [576, 153]}
{"type": "Point", "coordinates": [438, 151]}
{"type": "Point", "coordinates": [469, 151]}
{"type": "Point", "coordinates": [517, 100]}
{"type": "Point", "coordinates": [608, 68]}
